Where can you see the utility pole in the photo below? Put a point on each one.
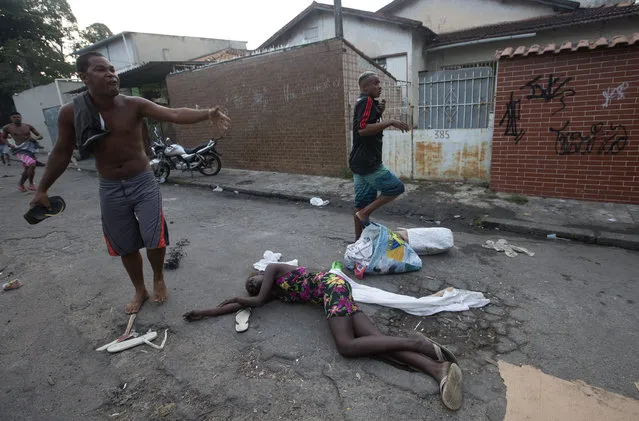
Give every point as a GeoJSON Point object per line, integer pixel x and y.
{"type": "Point", "coordinates": [339, 27]}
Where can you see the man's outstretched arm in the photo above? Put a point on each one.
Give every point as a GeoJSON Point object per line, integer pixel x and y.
{"type": "Point", "coordinates": [182, 115]}
{"type": "Point", "coordinates": [60, 156]}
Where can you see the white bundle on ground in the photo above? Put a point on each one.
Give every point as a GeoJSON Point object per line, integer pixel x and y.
{"type": "Point", "coordinates": [429, 241]}
{"type": "Point", "coordinates": [270, 257]}
{"type": "Point", "coordinates": [449, 299]}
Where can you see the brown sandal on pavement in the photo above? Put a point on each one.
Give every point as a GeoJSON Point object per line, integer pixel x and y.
{"type": "Point", "coordinates": [443, 354]}
{"type": "Point", "coordinates": [450, 388]}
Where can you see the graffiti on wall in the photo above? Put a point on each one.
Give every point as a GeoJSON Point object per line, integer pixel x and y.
{"type": "Point", "coordinates": [512, 116]}
{"type": "Point", "coordinates": [604, 138]}
{"type": "Point", "coordinates": [553, 88]}
{"type": "Point", "coordinates": [611, 94]}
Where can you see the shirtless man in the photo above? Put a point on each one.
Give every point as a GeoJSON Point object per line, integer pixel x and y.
{"type": "Point", "coordinates": [130, 199]}
{"type": "Point", "coordinates": [25, 148]}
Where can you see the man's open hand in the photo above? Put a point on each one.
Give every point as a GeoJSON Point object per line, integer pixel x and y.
{"type": "Point", "coordinates": [400, 125]}
{"type": "Point", "coordinates": [219, 119]}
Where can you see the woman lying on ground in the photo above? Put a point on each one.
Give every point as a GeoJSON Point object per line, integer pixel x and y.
{"type": "Point", "coordinates": [354, 333]}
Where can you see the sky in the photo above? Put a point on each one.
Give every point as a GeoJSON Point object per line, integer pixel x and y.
{"type": "Point", "coordinates": [243, 20]}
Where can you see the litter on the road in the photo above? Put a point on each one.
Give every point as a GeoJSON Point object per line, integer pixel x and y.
{"type": "Point", "coordinates": [271, 257]}
{"type": "Point", "coordinates": [218, 189]}
{"type": "Point", "coordinates": [317, 201]}
{"type": "Point", "coordinates": [509, 249]}
{"type": "Point", "coordinates": [449, 299]}
{"type": "Point", "coordinates": [15, 284]}
{"type": "Point", "coordinates": [144, 339]}
{"type": "Point", "coordinates": [428, 241]}
{"type": "Point", "coordinates": [554, 237]}
{"type": "Point", "coordinates": [379, 251]}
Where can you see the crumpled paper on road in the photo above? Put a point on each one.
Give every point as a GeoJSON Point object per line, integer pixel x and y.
{"type": "Point", "coordinates": [270, 257]}
{"type": "Point", "coordinates": [510, 249]}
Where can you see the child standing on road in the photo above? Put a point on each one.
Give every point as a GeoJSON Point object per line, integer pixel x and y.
{"type": "Point", "coordinates": [369, 174]}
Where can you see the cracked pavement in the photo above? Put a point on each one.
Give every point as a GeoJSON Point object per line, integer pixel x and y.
{"type": "Point", "coordinates": [570, 310]}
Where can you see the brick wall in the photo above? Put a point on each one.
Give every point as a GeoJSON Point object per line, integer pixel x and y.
{"type": "Point", "coordinates": [287, 109]}
{"type": "Point", "coordinates": [589, 149]}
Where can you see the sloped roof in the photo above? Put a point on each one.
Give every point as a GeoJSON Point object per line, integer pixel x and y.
{"type": "Point", "coordinates": [559, 4]}
{"type": "Point", "coordinates": [602, 42]}
{"type": "Point", "coordinates": [328, 8]}
{"type": "Point", "coordinates": [576, 17]}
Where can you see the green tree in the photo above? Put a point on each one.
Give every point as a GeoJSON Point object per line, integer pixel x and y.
{"type": "Point", "coordinates": [94, 33]}
{"type": "Point", "coordinates": [34, 38]}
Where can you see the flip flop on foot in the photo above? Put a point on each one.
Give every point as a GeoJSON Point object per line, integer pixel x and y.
{"type": "Point", "coordinates": [450, 388]}
{"type": "Point", "coordinates": [443, 354]}
{"type": "Point", "coordinates": [241, 320]}
{"type": "Point", "coordinates": [135, 305]}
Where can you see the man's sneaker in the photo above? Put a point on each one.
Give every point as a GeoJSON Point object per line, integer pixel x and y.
{"type": "Point", "coordinates": [22, 188]}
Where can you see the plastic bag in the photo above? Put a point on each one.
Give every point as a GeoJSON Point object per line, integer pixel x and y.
{"type": "Point", "coordinates": [429, 241]}
{"type": "Point", "coordinates": [380, 251]}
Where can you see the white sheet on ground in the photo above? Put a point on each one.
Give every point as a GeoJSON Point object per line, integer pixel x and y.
{"type": "Point", "coordinates": [270, 257]}
{"type": "Point", "coordinates": [449, 299]}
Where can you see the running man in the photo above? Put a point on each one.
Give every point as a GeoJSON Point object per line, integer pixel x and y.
{"type": "Point", "coordinates": [25, 149]}
{"type": "Point", "coordinates": [369, 174]}
{"type": "Point", "coordinates": [130, 198]}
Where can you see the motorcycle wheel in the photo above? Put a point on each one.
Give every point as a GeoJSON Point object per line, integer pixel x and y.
{"type": "Point", "coordinates": [161, 172]}
{"type": "Point", "coordinates": [211, 165]}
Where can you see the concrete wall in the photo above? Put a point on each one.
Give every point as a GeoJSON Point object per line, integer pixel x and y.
{"type": "Point", "coordinates": [453, 15]}
{"type": "Point", "coordinates": [153, 47]}
{"type": "Point", "coordinates": [589, 149]}
{"type": "Point", "coordinates": [30, 104]}
{"type": "Point", "coordinates": [116, 52]}
{"type": "Point", "coordinates": [283, 120]}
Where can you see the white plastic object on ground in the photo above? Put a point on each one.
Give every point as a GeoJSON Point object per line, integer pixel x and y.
{"type": "Point", "coordinates": [449, 299]}
{"type": "Point", "coordinates": [270, 257]}
{"type": "Point", "coordinates": [429, 241]}
{"type": "Point", "coordinates": [218, 188]}
{"type": "Point", "coordinates": [316, 201]}
{"type": "Point", "coordinates": [130, 343]}
{"type": "Point", "coordinates": [510, 249]}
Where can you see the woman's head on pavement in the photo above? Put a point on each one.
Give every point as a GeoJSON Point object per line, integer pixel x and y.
{"type": "Point", "coordinates": [98, 74]}
{"type": "Point", "coordinates": [370, 84]}
{"type": "Point", "coordinates": [254, 283]}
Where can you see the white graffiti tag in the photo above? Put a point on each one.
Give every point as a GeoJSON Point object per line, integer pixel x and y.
{"type": "Point", "coordinates": [614, 93]}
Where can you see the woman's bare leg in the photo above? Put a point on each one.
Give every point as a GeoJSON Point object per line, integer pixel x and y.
{"type": "Point", "coordinates": [356, 336]}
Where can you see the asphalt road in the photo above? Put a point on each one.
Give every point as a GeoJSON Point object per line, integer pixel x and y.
{"type": "Point", "coordinates": [571, 310]}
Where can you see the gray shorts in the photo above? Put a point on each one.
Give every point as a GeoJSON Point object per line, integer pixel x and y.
{"type": "Point", "coordinates": [4, 149]}
{"type": "Point", "coordinates": [132, 216]}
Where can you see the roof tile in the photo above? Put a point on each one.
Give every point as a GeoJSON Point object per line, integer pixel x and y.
{"type": "Point", "coordinates": [568, 46]}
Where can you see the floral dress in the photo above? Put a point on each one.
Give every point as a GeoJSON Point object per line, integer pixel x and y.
{"type": "Point", "coordinates": [300, 286]}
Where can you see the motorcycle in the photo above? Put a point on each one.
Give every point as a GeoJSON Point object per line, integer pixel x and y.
{"type": "Point", "coordinates": [168, 156]}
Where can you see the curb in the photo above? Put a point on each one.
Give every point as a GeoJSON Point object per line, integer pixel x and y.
{"type": "Point", "coordinates": [251, 192]}
{"type": "Point", "coordinates": [226, 189]}
{"type": "Point", "coordinates": [605, 238]}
